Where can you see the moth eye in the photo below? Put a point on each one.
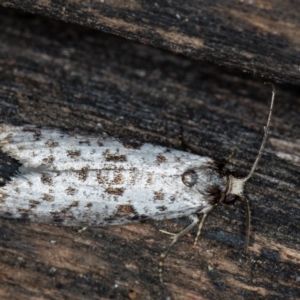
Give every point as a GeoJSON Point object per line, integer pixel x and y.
{"type": "Point", "coordinates": [189, 178]}
{"type": "Point", "coordinates": [230, 199]}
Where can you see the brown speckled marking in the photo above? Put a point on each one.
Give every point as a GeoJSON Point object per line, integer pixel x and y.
{"type": "Point", "coordinates": [3, 197]}
{"type": "Point", "coordinates": [125, 210]}
{"type": "Point", "coordinates": [115, 191]}
{"type": "Point", "coordinates": [25, 213]}
{"type": "Point", "coordinates": [47, 197]}
{"type": "Point", "coordinates": [100, 178]}
{"type": "Point", "coordinates": [90, 204]}
{"type": "Point", "coordinates": [177, 159]}
{"type": "Point", "coordinates": [105, 152]}
{"type": "Point", "coordinates": [133, 176]}
{"type": "Point", "coordinates": [74, 204]}
{"type": "Point", "coordinates": [8, 139]}
{"type": "Point", "coordinates": [32, 129]}
{"type": "Point", "coordinates": [87, 142]}
{"type": "Point", "coordinates": [73, 154]}
{"type": "Point", "coordinates": [57, 217]}
{"type": "Point", "coordinates": [161, 158]}
{"type": "Point", "coordinates": [21, 147]}
{"type": "Point", "coordinates": [83, 173]}
{"type": "Point", "coordinates": [158, 196]}
{"type": "Point", "coordinates": [64, 210]}
{"type": "Point", "coordinates": [161, 208]}
{"type": "Point", "coordinates": [29, 183]}
{"type": "Point", "coordinates": [70, 191]}
{"type": "Point", "coordinates": [149, 178]}
{"type": "Point", "coordinates": [114, 157]}
{"type": "Point", "coordinates": [131, 144]}
{"type": "Point", "coordinates": [48, 160]}
{"type": "Point", "coordinates": [118, 179]}
{"type": "Point", "coordinates": [100, 144]}
{"type": "Point", "coordinates": [64, 214]}
{"type": "Point", "coordinates": [46, 179]}
{"type": "Point", "coordinates": [51, 144]}
{"type": "Point", "coordinates": [33, 203]}
{"type": "Point", "coordinates": [172, 198]}
{"type": "Point", "coordinates": [36, 132]}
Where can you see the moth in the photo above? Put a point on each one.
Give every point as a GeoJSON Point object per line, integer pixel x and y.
{"type": "Point", "coordinates": [78, 179]}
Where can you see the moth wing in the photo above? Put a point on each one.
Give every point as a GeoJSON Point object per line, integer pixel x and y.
{"type": "Point", "coordinates": [55, 150]}
{"type": "Point", "coordinates": [102, 197]}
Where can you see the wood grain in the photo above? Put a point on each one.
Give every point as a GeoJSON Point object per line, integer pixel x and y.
{"type": "Point", "coordinates": [260, 37]}
{"type": "Point", "coordinates": [62, 75]}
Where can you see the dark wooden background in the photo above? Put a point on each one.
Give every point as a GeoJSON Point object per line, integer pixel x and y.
{"type": "Point", "coordinates": [54, 73]}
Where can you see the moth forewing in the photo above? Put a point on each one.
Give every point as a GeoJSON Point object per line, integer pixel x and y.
{"type": "Point", "coordinates": [96, 180]}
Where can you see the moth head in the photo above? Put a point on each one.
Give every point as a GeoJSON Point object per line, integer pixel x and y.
{"type": "Point", "coordinates": [235, 190]}
{"type": "Point", "coordinates": [207, 180]}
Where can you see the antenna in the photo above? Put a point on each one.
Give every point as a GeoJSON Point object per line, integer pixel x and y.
{"type": "Point", "coordinates": [262, 147]}
{"type": "Point", "coordinates": [237, 186]}
{"type": "Point", "coordinates": [243, 180]}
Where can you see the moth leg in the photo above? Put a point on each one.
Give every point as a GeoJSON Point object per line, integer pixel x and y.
{"type": "Point", "coordinates": [81, 230]}
{"type": "Point", "coordinates": [205, 212]}
{"type": "Point", "coordinates": [167, 232]}
{"type": "Point", "coordinates": [171, 233]}
{"type": "Point", "coordinates": [176, 237]}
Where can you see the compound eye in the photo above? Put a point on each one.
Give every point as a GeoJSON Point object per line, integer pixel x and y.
{"type": "Point", "coordinates": [189, 178]}
{"type": "Point", "coordinates": [230, 199]}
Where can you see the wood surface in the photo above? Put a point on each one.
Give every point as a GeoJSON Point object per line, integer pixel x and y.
{"type": "Point", "coordinates": [261, 37]}
{"type": "Point", "coordinates": [63, 75]}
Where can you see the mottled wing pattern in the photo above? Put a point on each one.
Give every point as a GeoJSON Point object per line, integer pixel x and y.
{"type": "Point", "coordinates": [77, 179]}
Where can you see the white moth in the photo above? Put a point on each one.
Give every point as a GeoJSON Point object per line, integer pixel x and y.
{"type": "Point", "coordinates": [96, 180]}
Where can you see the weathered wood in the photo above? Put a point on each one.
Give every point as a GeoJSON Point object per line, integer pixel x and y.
{"type": "Point", "coordinates": [62, 75]}
{"type": "Point", "coordinates": [260, 37]}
